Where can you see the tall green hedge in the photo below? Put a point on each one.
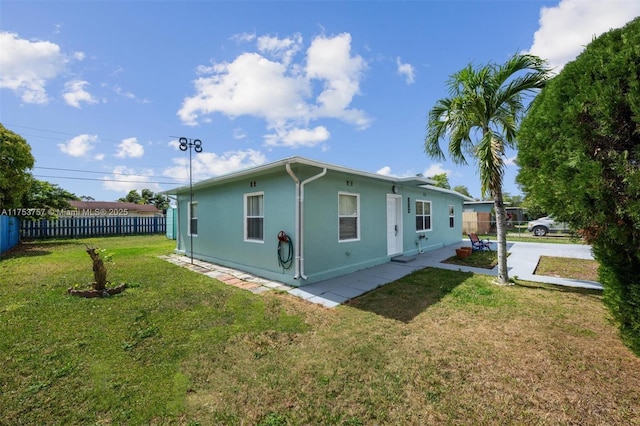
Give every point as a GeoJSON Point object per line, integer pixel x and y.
{"type": "Point", "coordinates": [579, 153]}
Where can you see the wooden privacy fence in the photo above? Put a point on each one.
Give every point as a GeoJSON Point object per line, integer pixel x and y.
{"type": "Point", "coordinates": [78, 227]}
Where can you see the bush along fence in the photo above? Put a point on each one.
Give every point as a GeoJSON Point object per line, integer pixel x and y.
{"type": "Point", "coordinates": [9, 232]}
{"type": "Point", "coordinates": [79, 227]}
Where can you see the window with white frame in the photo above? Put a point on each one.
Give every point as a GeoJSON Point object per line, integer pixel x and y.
{"type": "Point", "coordinates": [423, 215]}
{"type": "Point", "coordinates": [452, 222]}
{"type": "Point", "coordinates": [348, 216]}
{"type": "Point", "coordinates": [193, 218]}
{"type": "Point", "coordinates": [254, 217]}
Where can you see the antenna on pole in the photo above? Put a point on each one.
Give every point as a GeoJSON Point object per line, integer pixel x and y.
{"type": "Point", "coordinates": [191, 145]}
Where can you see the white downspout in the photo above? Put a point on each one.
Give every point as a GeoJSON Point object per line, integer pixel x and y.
{"type": "Point", "coordinates": [299, 271]}
{"type": "Point", "coordinates": [301, 237]}
{"type": "Point", "coordinates": [297, 220]}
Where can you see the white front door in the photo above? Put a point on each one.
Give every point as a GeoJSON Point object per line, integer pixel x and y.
{"type": "Point", "coordinates": [394, 224]}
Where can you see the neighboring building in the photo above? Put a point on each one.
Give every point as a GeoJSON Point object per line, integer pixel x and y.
{"type": "Point", "coordinates": [478, 217]}
{"type": "Point", "coordinates": [339, 220]}
{"type": "Point", "coordinates": [485, 206]}
{"type": "Point", "coordinates": [113, 208]}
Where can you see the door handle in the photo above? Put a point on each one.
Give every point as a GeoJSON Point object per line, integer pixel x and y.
{"type": "Point", "coordinates": [396, 229]}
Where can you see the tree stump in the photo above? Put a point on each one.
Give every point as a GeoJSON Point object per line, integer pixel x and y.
{"type": "Point", "coordinates": [100, 275]}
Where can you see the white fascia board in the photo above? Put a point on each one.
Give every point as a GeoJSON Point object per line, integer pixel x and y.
{"type": "Point", "coordinates": [448, 191]}
{"type": "Point", "coordinates": [419, 181]}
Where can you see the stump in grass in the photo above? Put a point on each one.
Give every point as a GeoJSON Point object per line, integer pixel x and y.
{"type": "Point", "coordinates": [100, 275]}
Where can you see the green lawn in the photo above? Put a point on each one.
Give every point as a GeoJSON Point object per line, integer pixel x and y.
{"type": "Point", "coordinates": [437, 347]}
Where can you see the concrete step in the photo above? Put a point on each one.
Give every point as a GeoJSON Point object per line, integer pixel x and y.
{"type": "Point", "coordinates": [403, 259]}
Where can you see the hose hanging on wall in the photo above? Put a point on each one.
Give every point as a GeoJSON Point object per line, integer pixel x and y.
{"type": "Point", "coordinates": [285, 260]}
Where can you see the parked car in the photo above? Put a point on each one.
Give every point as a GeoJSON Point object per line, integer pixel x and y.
{"type": "Point", "coordinates": [544, 225]}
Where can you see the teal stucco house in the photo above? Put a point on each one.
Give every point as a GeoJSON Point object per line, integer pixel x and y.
{"type": "Point", "coordinates": [300, 221]}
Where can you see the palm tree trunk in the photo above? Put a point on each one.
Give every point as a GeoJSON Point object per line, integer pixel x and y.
{"type": "Point", "coordinates": [501, 227]}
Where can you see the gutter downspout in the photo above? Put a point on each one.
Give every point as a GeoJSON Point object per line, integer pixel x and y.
{"type": "Point", "coordinates": [297, 219]}
{"type": "Point", "coordinates": [299, 271]}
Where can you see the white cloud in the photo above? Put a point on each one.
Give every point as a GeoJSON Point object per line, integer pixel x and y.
{"type": "Point", "coordinates": [75, 93]}
{"type": "Point", "coordinates": [435, 169]}
{"type": "Point", "coordinates": [130, 148]}
{"type": "Point", "coordinates": [27, 66]}
{"type": "Point", "coordinates": [243, 37]}
{"type": "Point", "coordinates": [297, 137]}
{"type": "Point", "coordinates": [272, 86]}
{"type": "Point", "coordinates": [239, 133]}
{"type": "Point", "coordinates": [80, 56]}
{"type": "Point", "coordinates": [250, 85]}
{"type": "Point", "coordinates": [98, 157]}
{"type": "Point", "coordinates": [208, 164]}
{"type": "Point", "coordinates": [79, 146]}
{"type": "Point", "coordinates": [511, 161]}
{"type": "Point", "coordinates": [174, 144]}
{"type": "Point", "coordinates": [385, 171]}
{"type": "Point", "coordinates": [284, 49]}
{"type": "Point", "coordinates": [568, 27]}
{"type": "Point", "coordinates": [124, 179]}
{"type": "Point", "coordinates": [330, 60]}
{"type": "Point", "coordinates": [407, 70]}
{"type": "Point", "coordinates": [129, 95]}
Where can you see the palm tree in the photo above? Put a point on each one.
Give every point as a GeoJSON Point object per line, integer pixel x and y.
{"type": "Point", "coordinates": [486, 104]}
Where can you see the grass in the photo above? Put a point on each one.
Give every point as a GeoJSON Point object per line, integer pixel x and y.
{"type": "Point", "coordinates": [436, 347]}
{"type": "Point", "coordinates": [527, 237]}
{"type": "Point", "coordinates": [478, 259]}
{"type": "Point", "coordinates": [579, 269]}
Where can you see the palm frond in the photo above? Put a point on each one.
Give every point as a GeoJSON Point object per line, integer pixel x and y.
{"type": "Point", "coordinates": [488, 100]}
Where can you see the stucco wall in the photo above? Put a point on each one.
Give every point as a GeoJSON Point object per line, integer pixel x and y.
{"type": "Point", "coordinates": [220, 236]}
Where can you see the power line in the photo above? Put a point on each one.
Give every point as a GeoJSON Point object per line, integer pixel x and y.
{"type": "Point", "coordinates": [57, 132]}
{"type": "Point", "coordinates": [111, 173]}
{"type": "Point", "coordinates": [106, 180]}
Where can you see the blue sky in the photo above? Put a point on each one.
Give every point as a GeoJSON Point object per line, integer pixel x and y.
{"type": "Point", "coordinates": [100, 90]}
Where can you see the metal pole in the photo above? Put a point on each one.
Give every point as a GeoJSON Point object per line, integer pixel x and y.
{"type": "Point", "coordinates": [196, 145]}
{"type": "Point", "coordinates": [191, 204]}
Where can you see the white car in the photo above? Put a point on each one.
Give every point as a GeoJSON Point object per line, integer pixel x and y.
{"type": "Point", "coordinates": [544, 225]}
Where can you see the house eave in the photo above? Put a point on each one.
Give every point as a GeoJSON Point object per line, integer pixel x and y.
{"type": "Point", "coordinates": [269, 167]}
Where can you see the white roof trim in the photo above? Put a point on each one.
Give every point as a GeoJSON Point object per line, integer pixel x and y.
{"type": "Point", "coordinates": [417, 180]}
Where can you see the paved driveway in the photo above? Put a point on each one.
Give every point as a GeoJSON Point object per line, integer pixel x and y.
{"type": "Point", "coordinates": [521, 263]}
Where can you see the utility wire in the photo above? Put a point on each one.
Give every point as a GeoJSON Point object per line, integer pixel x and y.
{"type": "Point", "coordinates": [111, 173]}
{"type": "Point", "coordinates": [54, 131]}
{"type": "Point", "coordinates": [106, 180]}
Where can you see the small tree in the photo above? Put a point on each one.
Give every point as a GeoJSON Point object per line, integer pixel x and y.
{"type": "Point", "coordinates": [99, 285]}
{"type": "Point", "coordinates": [480, 119]}
{"type": "Point", "coordinates": [579, 153]}
{"type": "Point", "coordinates": [99, 270]}
{"type": "Point", "coordinates": [442, 180]}
{"type": "Point", "coordinates": [46, 196]}
{"type": "Point", "coordinates": [462, 190]}
{"type": "Point", "coordinates": [147, 196]}
{"type": "Point", "coordinates": [15, 162]}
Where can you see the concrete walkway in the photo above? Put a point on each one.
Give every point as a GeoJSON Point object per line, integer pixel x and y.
{"type": "Point", "coordinates": [522, 262]}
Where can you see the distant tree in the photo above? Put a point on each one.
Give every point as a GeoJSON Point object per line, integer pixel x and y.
{"type": "Point", "coordinates": [485, 101]}
{"type": "Point", "coordinates": [160, 201]}
{"type": "Point", "coordinates": [146, 196]}
{"type": "Point", "coordinates": [579, 157]}
{"type": "Point", "coordinates": [46, 196]}
{"type": "Point", "coordinates": [15, 162]}
{"type": "Point", "coordinates": [442, 180]}
{"type": "Point", "coordinates": [132, 197]}
{"type": "Point", "coordinates": [462, 190]}
{"type": "Point", "coordinates": [513, 200]}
